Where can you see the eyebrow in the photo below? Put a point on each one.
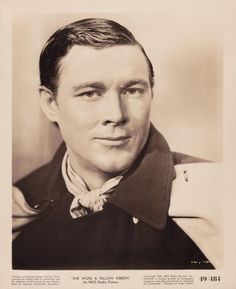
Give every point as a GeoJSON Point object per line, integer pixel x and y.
{"type": "Point", "coordinates": [97, 85]}
{"type": "Point", "coordinates": [101, 86]}
{"type": "Point", "coordinates": [132, 82]}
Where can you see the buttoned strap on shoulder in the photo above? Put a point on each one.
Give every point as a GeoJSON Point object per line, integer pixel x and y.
{"type": "Point", "coordinates": [22, 213]}
{"type": "Point", "coordinates": [195, 206]}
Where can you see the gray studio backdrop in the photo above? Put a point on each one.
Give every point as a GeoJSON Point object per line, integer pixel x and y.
{"type": "Point", "coordinates": [186, 51]}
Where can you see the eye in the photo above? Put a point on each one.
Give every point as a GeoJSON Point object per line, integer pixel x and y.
{"type": "Point", "coordinates": [132, 91]}
{"type": "Point", "coordinates": [90, 95]}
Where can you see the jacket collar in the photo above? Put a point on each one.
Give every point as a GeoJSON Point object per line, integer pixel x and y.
{"type": "Point", "coordinates": [145, 191]}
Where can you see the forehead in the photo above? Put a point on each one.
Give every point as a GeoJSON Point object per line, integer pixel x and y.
{"type": "Point", "coordinates": [83, 63]}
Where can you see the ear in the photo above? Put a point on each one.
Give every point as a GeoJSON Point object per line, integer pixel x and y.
{"type": "Point", "coordinates": [48, 103]}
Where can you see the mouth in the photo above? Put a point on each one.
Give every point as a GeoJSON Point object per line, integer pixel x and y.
{"type": "Point", "coordinates": [113, 141]}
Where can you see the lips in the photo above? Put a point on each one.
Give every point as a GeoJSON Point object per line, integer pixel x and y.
{"type": "Point", "coordinates": [114, 138]}
{"type": "Point", "coordinates": [113, 141]}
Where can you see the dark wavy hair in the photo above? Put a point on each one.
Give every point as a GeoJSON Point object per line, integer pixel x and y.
{"type": "Point", "coordinates": [93, 32]}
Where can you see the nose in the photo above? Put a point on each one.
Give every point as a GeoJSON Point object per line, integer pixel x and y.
{"type": "Point", "coordinates": [114, 110]}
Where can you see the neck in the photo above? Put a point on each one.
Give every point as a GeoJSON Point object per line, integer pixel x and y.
{"type": "Point", "coordinates": [94, 179]}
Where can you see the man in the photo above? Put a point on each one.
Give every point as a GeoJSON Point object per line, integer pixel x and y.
{"type": "Point", "coordinates": [103, 201]}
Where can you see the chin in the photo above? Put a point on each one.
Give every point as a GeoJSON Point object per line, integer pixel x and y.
{"type": "Point", "coordinates": [117, 166]}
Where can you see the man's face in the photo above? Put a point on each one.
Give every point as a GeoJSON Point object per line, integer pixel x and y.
{"type": "Point", "coordinates": [103, 106]}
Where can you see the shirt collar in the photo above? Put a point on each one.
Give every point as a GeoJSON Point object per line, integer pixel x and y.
{"type": "Point", "coordinates": [145, 191]}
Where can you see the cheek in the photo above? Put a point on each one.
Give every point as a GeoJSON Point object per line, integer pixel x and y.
{"type": "Point", "coordinates": [78, 117]}
{"type": "Point", "coordinates": [139, 112]}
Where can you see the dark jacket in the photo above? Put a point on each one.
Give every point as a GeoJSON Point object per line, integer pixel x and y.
{"type": "Point", "coordinates": [108, 239]}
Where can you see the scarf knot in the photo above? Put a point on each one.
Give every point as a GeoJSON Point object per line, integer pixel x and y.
{"type": "Point", "coordinates": [85, 201]}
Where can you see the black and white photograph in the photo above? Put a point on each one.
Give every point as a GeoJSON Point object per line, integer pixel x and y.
{"type": "Point", "coordinates": [105, 198]}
